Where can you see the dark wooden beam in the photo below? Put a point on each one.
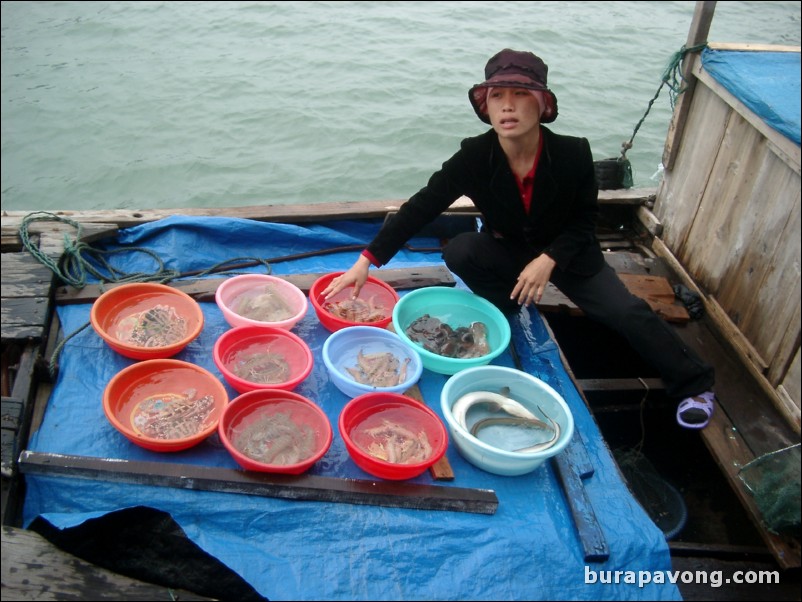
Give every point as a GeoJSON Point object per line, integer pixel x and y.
{"type": "Point", "coordinates": [572, 465]}
{"type": "Point", "coordinates": [204, 289]}
{"type": "Point", "coordinates": [294, 487]}
{"type": "Point", "coordinates": [620, 384]}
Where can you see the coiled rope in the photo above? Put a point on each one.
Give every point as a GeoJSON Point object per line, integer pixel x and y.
{"type": "Point", "coordinates": [80, 260]}
{"type": "Point", "coordinates": [672, 77]}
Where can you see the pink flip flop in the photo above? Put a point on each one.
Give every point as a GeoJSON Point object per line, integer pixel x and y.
{"type": "Point", "coordinates": [695, 412]}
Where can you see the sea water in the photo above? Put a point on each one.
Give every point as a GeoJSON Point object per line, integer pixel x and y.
{"type": "Point", "coordinates": [136, 105]}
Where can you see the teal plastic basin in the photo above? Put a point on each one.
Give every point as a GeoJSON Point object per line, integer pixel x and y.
{"type": "Point", "coordinates": [455, 307]}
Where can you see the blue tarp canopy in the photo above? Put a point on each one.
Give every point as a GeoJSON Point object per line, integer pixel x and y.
{"type": "Point", "coordinates": [766, 82]}
{"type": "Point", "coordinates": [293, 549]}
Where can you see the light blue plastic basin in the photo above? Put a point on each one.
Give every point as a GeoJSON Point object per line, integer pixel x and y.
{"type": "Point", "coordinates": [341, 350]}
{"type": "Point", "coordinates": [531, 392]}
{"type": "Point", "coordinates": [455, 307]}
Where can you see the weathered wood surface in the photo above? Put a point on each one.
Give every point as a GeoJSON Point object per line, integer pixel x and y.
{"type": "Point", "coordinates": [18, 408]}
{"type": "Point", "coordinates": [731, 215]}
{"type": "Point", "coordinates": [730, 450]}
{"type": "Point", "coordinates": [697, 34]}
{"type": "Point", "coordinates": [589, 531]}
{"type": "Point", "coordinates": [34, 569]}
{"type": "Point", "coordinates": [655, 290]}
{"type": "Point", "coordinates": [25, 288]}
{"type": "Point", "coordinates": [744, 426]}
{"type": "Point", "coordinates": [10, 221]}
{"type": "Point", "coordinates": [294, 487]}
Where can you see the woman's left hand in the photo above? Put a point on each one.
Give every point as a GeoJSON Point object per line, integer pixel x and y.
{"type": "Point", "coordinates": [533, 280]}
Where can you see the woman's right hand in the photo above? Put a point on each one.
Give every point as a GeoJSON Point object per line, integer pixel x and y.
{"type": "Point", "coordinates": [357, 275]}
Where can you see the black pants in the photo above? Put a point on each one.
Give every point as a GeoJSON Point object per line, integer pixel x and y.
{"type": "Point", "coordinates": [490, 269]}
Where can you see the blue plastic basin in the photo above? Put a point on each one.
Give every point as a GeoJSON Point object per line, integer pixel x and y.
{"type": "Point", "coordinates": [538, 397]}
{"type": "Point", "coordinates": [341, 351]}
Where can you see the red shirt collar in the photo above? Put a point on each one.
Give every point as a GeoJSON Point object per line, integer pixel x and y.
{"type": "Point", "coordinates": [525, 186]}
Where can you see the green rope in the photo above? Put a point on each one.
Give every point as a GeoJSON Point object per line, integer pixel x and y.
{"type": "Point", "coordinates": [32, 248]}
{"type": "Point", "coordinates": [79, 259]}
{"type": "Point", "coordinates": [53, 364]}
{"type": "Point", "coordinates": [672, 77]}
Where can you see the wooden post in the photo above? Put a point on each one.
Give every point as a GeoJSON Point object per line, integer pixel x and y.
{"type": "Point", "coordinates": [700, 27]}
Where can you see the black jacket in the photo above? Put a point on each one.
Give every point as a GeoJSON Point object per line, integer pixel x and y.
{"type": "Point", "coordinates": [562, 220]}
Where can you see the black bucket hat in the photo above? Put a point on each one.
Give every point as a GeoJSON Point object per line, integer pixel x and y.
{"type": "Point", "coordinates": [514, 69]}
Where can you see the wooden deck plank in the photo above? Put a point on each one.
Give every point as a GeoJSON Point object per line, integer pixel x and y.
{"type": "Point", "coordinates": [10, 221]}
{"type": "Point", "coordinates": [25, 290]}
{"type": "Point", "coordinates": [24, 318]}
{"type": "Point", "coordinates": [746, 425]}
{"type": "Point", "coordinates": [204, 289]}
{"type": "Point", "coordinates": [731, 452]}
{"type": "Point", "coordinates": [655, 290]}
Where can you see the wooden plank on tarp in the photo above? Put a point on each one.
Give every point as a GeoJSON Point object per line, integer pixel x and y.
{"type": "Point", "coordinates": [573, 464]}
{"type": "Point", "coordinates": [294, 487]}
{"type": "Point", "coordinates": [655, 288]}
{"type": "Point", "coordinates": [591, 537]}
{"type": "Point", "coordinates": [440, 470]}
{"type": "Point", "coordinates": [204, 289]}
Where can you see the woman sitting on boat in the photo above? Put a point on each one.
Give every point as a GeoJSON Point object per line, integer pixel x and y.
{"type": "Point", "coordinates": [537, 193]}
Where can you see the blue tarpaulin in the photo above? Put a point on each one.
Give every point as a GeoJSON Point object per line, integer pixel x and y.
{"type": "Point", "coordinates": [293, 549]}
{"type": "Point", "coordinates": [768, 83]}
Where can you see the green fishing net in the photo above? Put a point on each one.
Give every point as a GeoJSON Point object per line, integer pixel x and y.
{"type": "Point", "coordinates": [773, 479]}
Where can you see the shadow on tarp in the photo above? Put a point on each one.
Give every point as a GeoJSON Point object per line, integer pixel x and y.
{"type": "Point", "coordinates": [146, 544]}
